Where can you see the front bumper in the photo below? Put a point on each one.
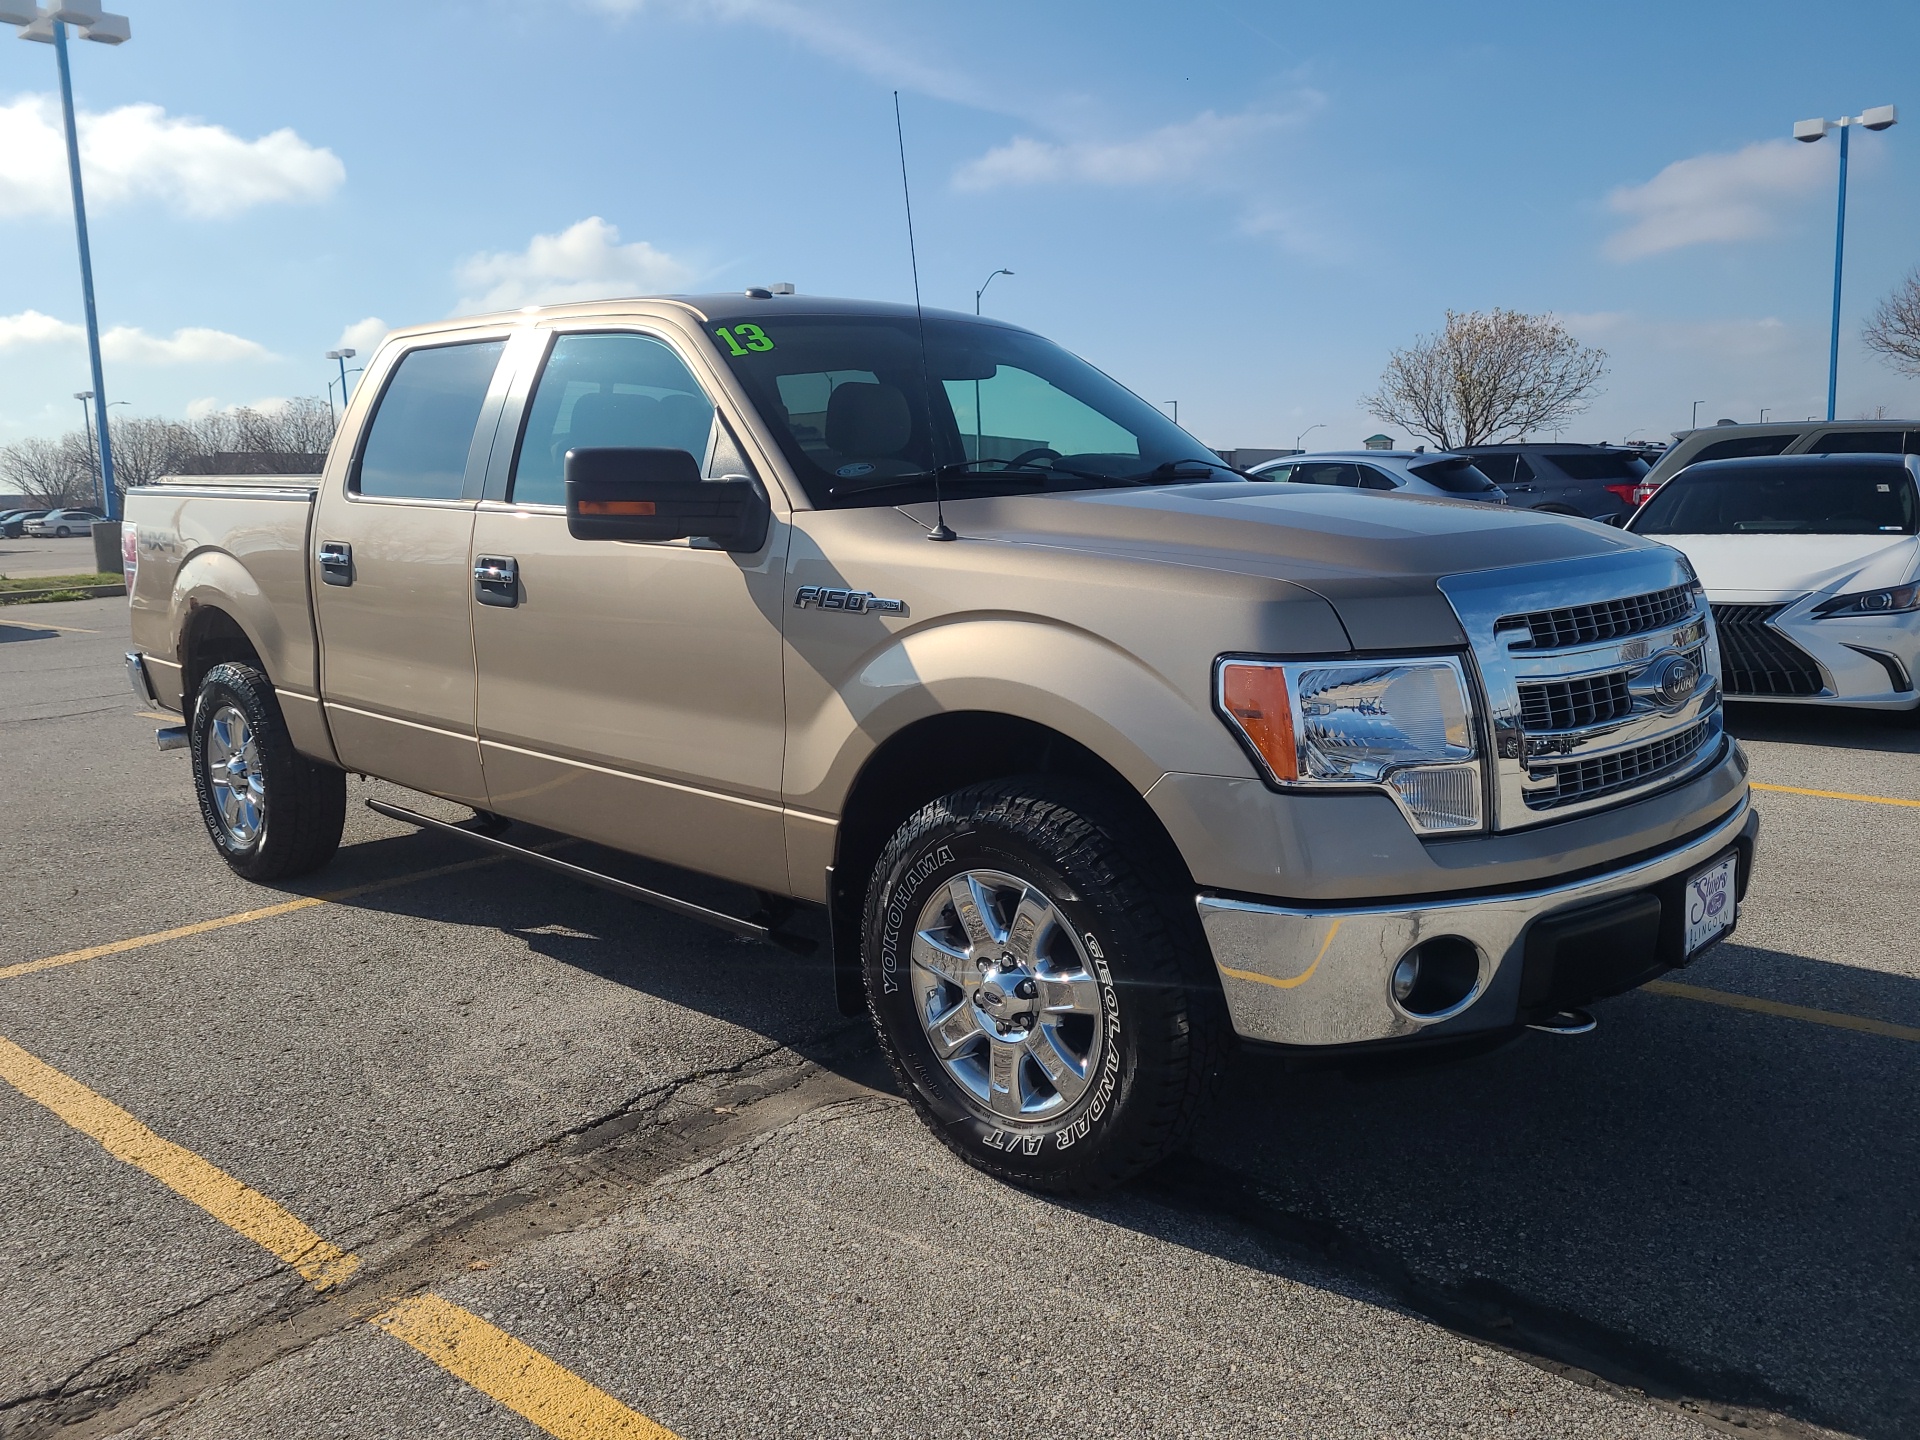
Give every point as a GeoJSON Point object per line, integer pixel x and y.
{"type": "Point", "coordinates": [1321, 977]}
{"type": "Point", "coordinates": [1867, 662]}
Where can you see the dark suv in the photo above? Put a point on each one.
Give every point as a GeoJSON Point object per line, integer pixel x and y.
{"type": "Point", "coordinates": [1593, 481]}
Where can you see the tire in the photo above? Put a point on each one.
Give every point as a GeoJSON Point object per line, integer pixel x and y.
{"type": "Point", "coordinates": [63, 532]}
{"type": "Point", "coordinates": [1113, 993]}
{"type": "Point", "coordinates": [271, 812]}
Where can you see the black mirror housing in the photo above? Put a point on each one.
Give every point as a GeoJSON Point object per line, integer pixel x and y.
{"type": "Point", "coordinates": [657, 494]}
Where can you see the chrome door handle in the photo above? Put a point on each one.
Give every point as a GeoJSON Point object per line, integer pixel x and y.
{"type": "Point", "coordinates": [496, 580]}
{"type": "Point", "coordinates": [336, 562]}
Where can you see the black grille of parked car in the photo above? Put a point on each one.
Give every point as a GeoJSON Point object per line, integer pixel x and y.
{"type": "Point", "coordinates": [1608, 620]}
{"type": "Point", "coordinates": [1622, 770]}
{"type": "Point", "coordinates": [1574, 704]}
{"type": "Point", "coordinates": [1757, 659]}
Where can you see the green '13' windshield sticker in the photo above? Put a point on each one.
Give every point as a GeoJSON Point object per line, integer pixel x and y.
{"type": "Point", "coordinates": [745, 339]}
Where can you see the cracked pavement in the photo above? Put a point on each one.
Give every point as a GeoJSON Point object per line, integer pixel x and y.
{"type": "Point", "coordinates": [661, 1157]}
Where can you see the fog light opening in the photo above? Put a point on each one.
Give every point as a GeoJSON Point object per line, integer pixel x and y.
{"type": "Point", "coordinates": [1436, 978]}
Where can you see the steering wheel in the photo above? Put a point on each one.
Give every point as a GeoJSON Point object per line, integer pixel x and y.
{"type": "Point", "coordinates": [1027, 457]}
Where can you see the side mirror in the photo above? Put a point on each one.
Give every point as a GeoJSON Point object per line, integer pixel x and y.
{"type": "Point", "coordinates": [658, 495]}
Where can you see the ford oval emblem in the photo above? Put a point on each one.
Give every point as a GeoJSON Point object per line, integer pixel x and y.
{"type": "Point", "coordinates": [1677, 679]}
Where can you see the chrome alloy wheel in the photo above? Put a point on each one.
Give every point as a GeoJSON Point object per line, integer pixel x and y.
{"type": "Point", "coordinates": [234, 776]}
{"type": "Point", "coordinates": [1004, 991]}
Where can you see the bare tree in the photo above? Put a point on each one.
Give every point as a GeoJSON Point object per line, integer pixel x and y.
{"type": "Point", "coordinates": [1487, 376]}
{"type": "Point", "coordinates": [1894, 329]}
{"type": "Point", "coordinates": [146, 447]}
{"type": "Point", "coordinates": [53, 473]}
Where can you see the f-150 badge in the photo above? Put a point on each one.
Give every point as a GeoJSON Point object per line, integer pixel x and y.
{"type": "Point", "coordinates": [849, 602]}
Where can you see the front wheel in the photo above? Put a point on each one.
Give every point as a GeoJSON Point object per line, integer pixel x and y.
{"type": "Point", "coordinates": [272, 813]}
{"type": "Point", "coordinates": [1049, 1009]}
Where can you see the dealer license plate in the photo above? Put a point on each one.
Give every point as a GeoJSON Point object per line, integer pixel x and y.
{"type": "Point", "coordinates": [1710, 904]}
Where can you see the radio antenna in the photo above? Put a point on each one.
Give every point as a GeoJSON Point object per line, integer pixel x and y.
{"type": "Point", "coordinates": [941, 530]}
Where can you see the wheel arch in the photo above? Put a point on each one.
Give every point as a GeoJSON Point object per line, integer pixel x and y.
{"type": "Point", "coordinates": [935, 756]}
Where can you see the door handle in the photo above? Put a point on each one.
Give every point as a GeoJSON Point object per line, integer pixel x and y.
{"type": "Point", "coordinates": [336, 562]}
{"type": "Point", "coordinates": [496, 580]}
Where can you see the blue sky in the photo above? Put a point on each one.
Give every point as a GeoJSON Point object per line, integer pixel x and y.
{"type": "Point", "coordinates": [1239, 207]}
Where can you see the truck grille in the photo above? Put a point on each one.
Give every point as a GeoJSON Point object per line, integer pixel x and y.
{"type": "Point", "coordinates": [1759, 660]}
{"type": "Point", "coordinates": [1575, 704]}
{"type": "Point", "coordinates": [1607, 620]}
{"type": "Point", "coordinates": [1622, 770]}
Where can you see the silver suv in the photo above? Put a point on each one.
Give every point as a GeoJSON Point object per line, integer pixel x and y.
{"type": "Point", "coordinates": [1438, 475]}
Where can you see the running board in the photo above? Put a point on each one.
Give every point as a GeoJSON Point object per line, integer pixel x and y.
{"type": "Point", "coordinates": [732, 924]}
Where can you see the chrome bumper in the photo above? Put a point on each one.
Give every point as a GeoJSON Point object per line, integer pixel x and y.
{"type": "Point", "coordinates": [138, 678]}
{"type": "Point", "coordinates": [1321, 977]}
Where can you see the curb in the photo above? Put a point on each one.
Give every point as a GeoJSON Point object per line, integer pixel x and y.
{"type": "Point", "coordinates": [86, 592]}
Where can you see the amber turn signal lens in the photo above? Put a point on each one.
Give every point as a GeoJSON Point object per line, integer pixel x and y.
{"type": "Point", "coordinates": [1256, 697]}
{"type": "Point", "coordinates": [616, 507]}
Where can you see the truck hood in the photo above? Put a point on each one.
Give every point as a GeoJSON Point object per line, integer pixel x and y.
{"type": "Point", "coordinates": [1375, 558]}
{"type": "Point", "coordinates": [1755, 569]}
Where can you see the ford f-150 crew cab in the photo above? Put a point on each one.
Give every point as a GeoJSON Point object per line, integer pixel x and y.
{"type": "Point", "coordinates": [1100, 757]}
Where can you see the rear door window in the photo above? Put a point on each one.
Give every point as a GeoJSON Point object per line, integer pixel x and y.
{"type": "Point", "coordinates": [1327, 473]}
{"type": "Point", "coordinates": [1857, 442]}
{"type": "Point", "coordinates": [608, 391]}
{"type": "Point", "coordinates": [422, 429]}
{"type": "Point", "coordinates": [1741, 448]}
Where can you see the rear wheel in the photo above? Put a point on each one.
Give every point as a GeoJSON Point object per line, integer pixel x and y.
{"type": "Point", "coordinates": [271, 812]}
{"type": "Point", "coordinates": [63, 532]}
{"type": "Point", "coordinates": [1049, 1009]}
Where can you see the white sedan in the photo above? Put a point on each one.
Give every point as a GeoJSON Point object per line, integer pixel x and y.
{"type": "Point", "coordinates": [1812, 565]}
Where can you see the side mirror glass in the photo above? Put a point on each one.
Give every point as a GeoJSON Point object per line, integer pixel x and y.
{"type": "Point", "coordinates": [658, 494]}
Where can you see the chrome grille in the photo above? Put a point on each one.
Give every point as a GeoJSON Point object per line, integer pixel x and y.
{"type": "Point", "coordinates": [1575, 704]}
{"type": "Point", "coordinates": [1605, 620]}
{"type": "Point", "coordinates": [1573, 654]}
{"type": "Point", "coordinates": [1621, 770]}
{"type": "Point", "coordinates": [1759, 660]}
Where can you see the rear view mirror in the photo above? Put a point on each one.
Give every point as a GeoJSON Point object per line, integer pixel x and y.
{"type": "Point", "coordinates": [658, 495]}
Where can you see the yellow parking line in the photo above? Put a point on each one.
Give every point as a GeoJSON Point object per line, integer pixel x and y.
{"type": "Point", "coordinates": [239, 1207]}
{"type": "Point", "coordinates": [1837, 1019]}
{"type": "Point", "coordinates": [180, 932]}
{"type": "Point", "coordinates": [42, 625]}
{"type": "Point", "coordinates": [515, 1374]}
{"type": "Point", "coordinates": [1838, 795]}
{"type": "Point", "coordinates": [458, 1341]}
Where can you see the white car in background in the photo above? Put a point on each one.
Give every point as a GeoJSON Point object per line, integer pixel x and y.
{"type": "Point", "coordinates": [1812, 566]}
{"type": "Point", "coordinates": [1438, 475]}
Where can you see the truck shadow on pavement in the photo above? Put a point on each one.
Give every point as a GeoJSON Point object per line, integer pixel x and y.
{"type": "Point", "coordinates": [1706, 1204]}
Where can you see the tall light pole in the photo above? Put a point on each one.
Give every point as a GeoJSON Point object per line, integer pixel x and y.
{"type": "Point", "coordinates": [976, 294]}
{"type": "Point", "coordinates": [1318, 425]}
{"type": "Point", "coordinates": [86, 416]}
{"type": "Point", "coordinates": [49, 26]}
{"type": "Point", "coordinates": [1696, 414]}
{"type": "Point", "coordinates": [345, 355]}
{"type": "Point", "coordinates": [1881, 117]}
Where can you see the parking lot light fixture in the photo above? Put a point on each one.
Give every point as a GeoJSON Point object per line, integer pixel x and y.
{"type": "Point", "coordinates": [983, 288]}
{"type": "Point", "coordinates": [86, 416]}
{"type": "Point", "coordinates": [1880, 117]}
{"type": "Point", "coordinates": [49, 25]}
{"type": "Point", "coordinates": [1317, 425]}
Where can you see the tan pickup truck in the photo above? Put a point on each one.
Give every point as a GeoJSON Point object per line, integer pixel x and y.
{"type": "Point", "coordinates": [1100, 757]}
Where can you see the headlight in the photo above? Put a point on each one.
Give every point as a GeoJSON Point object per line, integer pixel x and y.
{"type": "Point", "coordinates": [1897, 601]}
{"type": "Point", "coordinates": [1403, 726]}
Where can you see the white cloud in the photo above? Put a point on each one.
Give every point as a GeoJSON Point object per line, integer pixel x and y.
{"type": "Point", "coordinates": [363, 336]}
{"type": "Point", "coordinates": [193, 345]}
{"type": "Point", "coordinates": [208, 405]}
{"type": "Point", "coordinates": [130, 345]}
{"type": "Point", "coordinates": [1708, 199]}
{"type": "Point", "coordinates": [30, 327]}
{"type": "Point", "coordinates": [586, 261]}
{"type": "Point", "coordinates": [1182, 152]}
{"type": "Point", "coordinates": [139, 152]}
{"type": "Point", "coordinates": [855, 45]}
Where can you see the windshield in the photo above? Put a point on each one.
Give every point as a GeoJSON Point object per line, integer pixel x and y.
{"type": "Point", "coordinates": [1830, 499]}
{"type": "Point", "coordinates": [1461, 477]}
{"type": "Point", "coordinates": [1002, 410]}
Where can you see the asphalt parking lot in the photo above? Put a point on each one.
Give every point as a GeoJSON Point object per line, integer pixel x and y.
{"type": "Point", "coordinates": [431, 1142]}
{"type": "Point", "coordinates": [28, 557]}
